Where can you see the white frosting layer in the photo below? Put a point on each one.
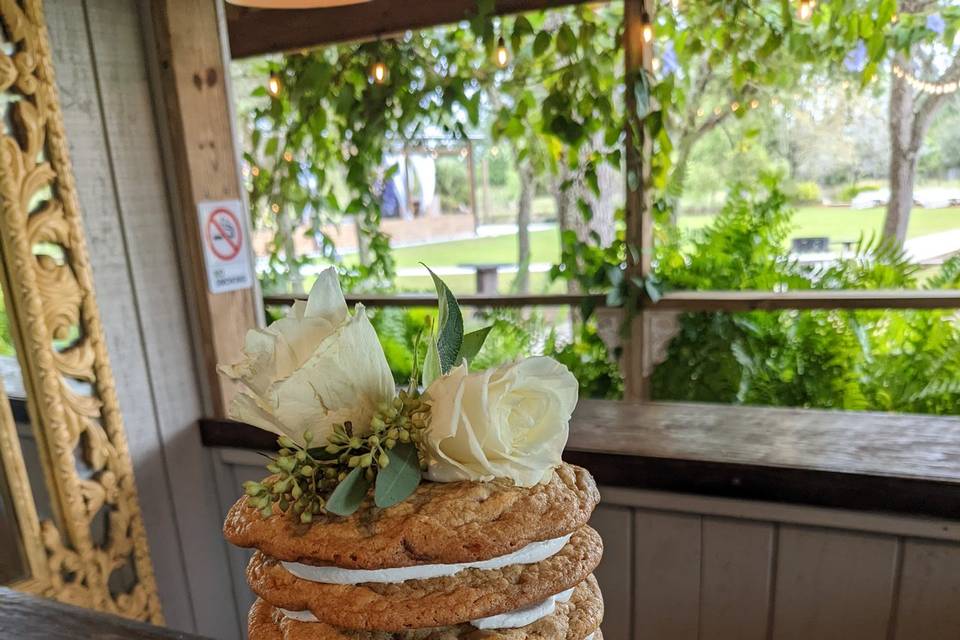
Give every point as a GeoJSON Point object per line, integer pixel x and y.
{"type": "Point", "coordinates": [510, 620]}
{"type": "Point", "coordinates": [523, 617]}
{"type": "Point", "coordinates": [530, 554]}
{"type": "Point", "coordinates": [299, 616]}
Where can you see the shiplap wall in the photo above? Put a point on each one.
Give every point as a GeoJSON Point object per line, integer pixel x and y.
{"type": "Point", "coordinates": [102, 61]}
{"type": "Point", "coordinates": [681, 567]}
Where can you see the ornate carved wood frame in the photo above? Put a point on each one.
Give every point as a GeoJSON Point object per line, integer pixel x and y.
{"type": "Point", "coordinates": [95, 549]}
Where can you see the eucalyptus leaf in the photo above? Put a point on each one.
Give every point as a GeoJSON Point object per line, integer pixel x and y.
{"type": "Point", "coordinates": [400, 478]}
{"type": "Point", "coordinates": [348, 495]}
{"type": "Point", "coordinates": [450, 325]}
{"type": "Point", "coordinates": [472, 343]}
{"type": "Point", "coordinates": [431, 363]}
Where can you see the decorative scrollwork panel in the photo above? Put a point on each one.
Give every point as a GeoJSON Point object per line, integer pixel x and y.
{"type": "Point", "coordinates": [96, 549]}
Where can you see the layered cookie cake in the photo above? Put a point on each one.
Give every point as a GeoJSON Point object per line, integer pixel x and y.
{"type": "Point", "coordinates": [441, 511]}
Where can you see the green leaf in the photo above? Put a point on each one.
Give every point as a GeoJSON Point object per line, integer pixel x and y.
{"type": "Point", "coordinates": [449, 325]}
{"type": "Point", "coordinates": [472, 343]}
{"type": "Point", "coordinates": [431, 363]}
{"type": "Point", "coordinates": [400, 478]}
{"type": "Point", "coordinates": [348, 495]}
{"type": "Point", "coordinates": [566, 40]}
{"type": "Point", "coordinates": [271, 147]}
{"type": "Point", "coordinates": [541, 43]}
{"type": "Point", "coordinates": [641, 91]}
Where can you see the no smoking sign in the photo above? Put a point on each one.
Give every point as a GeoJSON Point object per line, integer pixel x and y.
{"type": "Point", "coordinates": [225, 248]}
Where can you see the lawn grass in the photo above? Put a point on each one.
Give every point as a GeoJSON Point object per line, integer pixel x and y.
{"type": "Point", "coordinates": [839, 224]}
{"type": "Point", "coordinates": [845, 225]}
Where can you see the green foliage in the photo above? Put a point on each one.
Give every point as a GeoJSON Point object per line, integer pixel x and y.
{"type": "Point", "coordinates": [851, 191]}
{"type": "Point", "coordinates": [498, 169]}
{"type": "Point", "coordinates": [398, 329]}
{"type": "Point", "coordinates": [589, 360]}
{"type": "Point", "coordinates": [453, 184]}
{"type": "Point", "coordinates": [399, 477]}
{"type": "Point", "coordinates": [351, 491]}
{"type": "Point", "coordinates": [807, 192]}
{"type": "Point", "coordinates": [335, 476]}
{"type": "Point", "coordinates": [878, 360]}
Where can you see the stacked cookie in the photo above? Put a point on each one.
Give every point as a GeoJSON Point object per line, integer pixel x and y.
{"type": "Point", "coordinates": [454, 560]}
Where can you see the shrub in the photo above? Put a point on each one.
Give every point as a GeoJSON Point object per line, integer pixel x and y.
{"type": "Point", "coordinates": [589, 360]}
{"type": "Point", "coordinates": [453, 183]}
{"type": "Point", "coordinates": [806, 193]}
{"type": "Point", "coordinates": [888, 360]}
{"type": "Point", "coordinates": [851, 191]}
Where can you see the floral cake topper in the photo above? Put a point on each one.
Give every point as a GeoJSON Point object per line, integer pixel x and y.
{"type": "Point", "coordinates": [319, 379]}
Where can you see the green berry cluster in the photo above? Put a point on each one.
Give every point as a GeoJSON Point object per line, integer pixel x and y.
{"type": "Point", "coordinates": [300, 479]}
{"type": "Point", "coordinates": [402, 420]}
{"type": "Point", "coordinates": [304, 476]}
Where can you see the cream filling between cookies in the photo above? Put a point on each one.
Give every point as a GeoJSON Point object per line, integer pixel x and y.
{"type": "Point", "coordinates": [509, 620]}
{"type": "Point", "coordinates": [530, 554]}
{"type": "Point", "coordinates": [525, 616]}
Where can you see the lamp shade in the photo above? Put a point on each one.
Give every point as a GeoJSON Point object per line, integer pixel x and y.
{"type": "Point", "coordinates": [295, 4]}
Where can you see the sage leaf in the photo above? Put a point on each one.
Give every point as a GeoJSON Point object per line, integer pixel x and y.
{"type": "Point", "coordinates": [348, 495]}
{"type": "Point", "coordinates": [472, 343]}
{"type": "Point", "coordinates": [431, 363]}
{"type": "Point", "coordinates": [450, 325]}
{"type": "Point", "coordinates": [400, 478]}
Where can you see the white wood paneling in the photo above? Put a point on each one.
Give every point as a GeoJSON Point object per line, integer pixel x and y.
{"type": "Point", "coordinates": [736, 570]}
{"type": "Point", "coordinates": [102, 73]}
{"type": "Point", "coordinates": [86, 135]}
{"type": "Point", "coordinates": [615, 573]}
{"type": "Point", "coordinates": [833, 585]}
{"type": "Point", "coordinates": [666, 575]}
{"type": "Point", "coordinates": [929, 594]}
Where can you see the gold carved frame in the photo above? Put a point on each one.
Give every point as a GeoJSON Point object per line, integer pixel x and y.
{"type": "Point", "coordinates": [56, 327]}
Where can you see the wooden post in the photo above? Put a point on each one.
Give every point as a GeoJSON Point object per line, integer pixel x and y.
{"type": "Point", "coordinates": [638, 57]}
{"type": "Point", "coordinates": [193, 81]}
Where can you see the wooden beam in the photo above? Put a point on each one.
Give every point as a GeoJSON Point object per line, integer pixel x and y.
{"type": "Point", "coordinates": [686, 301]}
{"type": "Point", "coordinates": [259, 31]}
{"type": "Point", "coordinates": [430, 300]}
{"type": "Point", "coordinates": [734, 301]}
{"type": "Point", "coordinates": [192, 79]}
{"type": "Point", "coordinates": [638, 57]}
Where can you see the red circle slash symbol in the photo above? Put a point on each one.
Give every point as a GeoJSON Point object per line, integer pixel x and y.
{"type": "Point", "coordinates": [224, 234]}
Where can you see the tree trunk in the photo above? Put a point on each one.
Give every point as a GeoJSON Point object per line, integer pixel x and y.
{"type": "Point", "coordinates": [903, 160]}
{"type": "Point", "coordinates": [910, 117]}
{"type": "Point", "coordinates": [524, 208]}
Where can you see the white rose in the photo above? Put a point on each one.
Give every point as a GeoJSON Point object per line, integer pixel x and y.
{"type": "Point", "coordinates": [317, 367]}
{"type": "Point", "coordinates": [509, 422]}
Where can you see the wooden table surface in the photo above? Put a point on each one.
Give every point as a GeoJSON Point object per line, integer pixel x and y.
{"type": "Point", "coordinates": [902, 463]}
{"type": "Point", "coordinates": [24, 617]}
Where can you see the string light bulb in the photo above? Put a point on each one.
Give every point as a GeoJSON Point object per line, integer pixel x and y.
{"type": "Point", "coordinates": [936, 88]}
{"type": "Point", "coordinates": [502, 56]}
{"type": "Point", "coordinates": [378, 72]}
{"type": "Point", "coordinates": [274, 85]}
{"type": "Point", "coordinates": [805, 9]}
{"type": "Point", "coordinates": [646, 27]}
